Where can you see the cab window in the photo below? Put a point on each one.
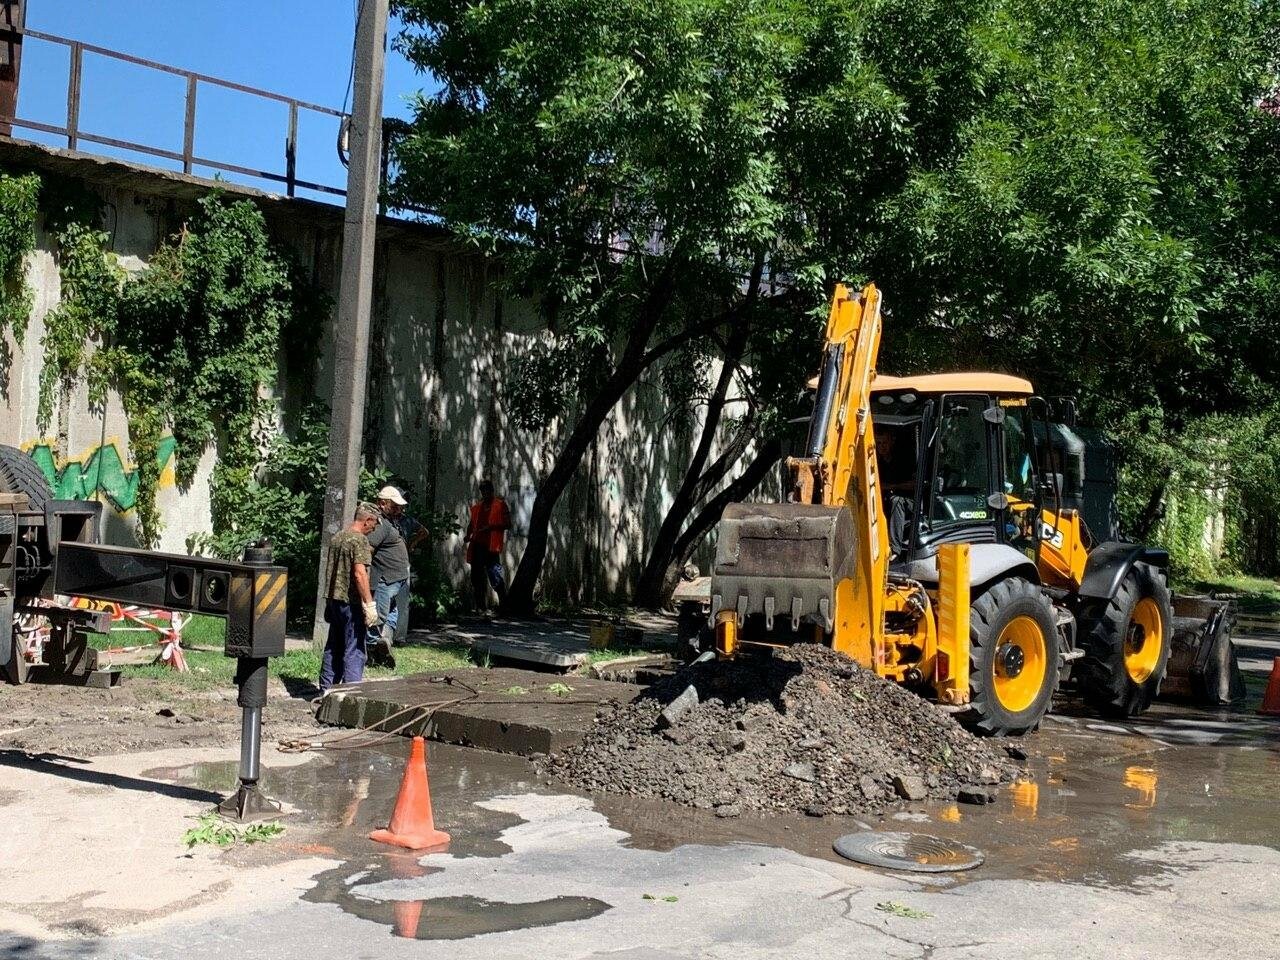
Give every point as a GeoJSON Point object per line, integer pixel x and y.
{"type": "Point", "coordinates": [963, 471]}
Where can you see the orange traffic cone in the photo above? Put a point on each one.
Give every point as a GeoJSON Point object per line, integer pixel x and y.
{"type": "Point", "coordinates": [413, 826]}
{"type": "Point", "coordinates": [1271, 699]}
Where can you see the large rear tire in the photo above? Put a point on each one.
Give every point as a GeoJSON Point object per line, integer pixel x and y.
{"type": "Point", "coordinates": [20, 474]}
{"type": "Point", "coordinates": [1126, 643]}
{"type": "Point", "coordinates": [1013, 659]}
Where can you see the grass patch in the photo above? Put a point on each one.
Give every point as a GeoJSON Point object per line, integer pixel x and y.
{"type": "Point", "coordinates": [1258, 595]}
{"type": "Point", "coordinates": [211, 670]}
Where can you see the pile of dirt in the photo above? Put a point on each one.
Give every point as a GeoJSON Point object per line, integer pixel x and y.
{"type": "Point", "coordinates": [805, 730]}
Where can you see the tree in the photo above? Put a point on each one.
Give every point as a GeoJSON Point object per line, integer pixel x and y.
{"type": "Point", "coordinates": [1070, 193]}
{"type": "Point", "coordinates": [647, 169]}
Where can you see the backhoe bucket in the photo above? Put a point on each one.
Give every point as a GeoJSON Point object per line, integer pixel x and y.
{"type": "Point", "coordinates": [1202, 662]}
{"type": "Point", "coordinates": [779, 565]}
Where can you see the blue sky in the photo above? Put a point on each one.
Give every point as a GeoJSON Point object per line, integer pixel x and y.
{"type": "Point", "coordinates": [300, 48]}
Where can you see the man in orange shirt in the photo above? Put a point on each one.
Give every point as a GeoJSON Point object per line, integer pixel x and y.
{"type": "Point", "coordinates": [490, 520]}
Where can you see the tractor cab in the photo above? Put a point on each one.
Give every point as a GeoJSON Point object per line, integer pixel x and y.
{"type": "Point", "coordinates": [965, 458]}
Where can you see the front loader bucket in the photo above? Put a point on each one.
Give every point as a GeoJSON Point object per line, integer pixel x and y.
{"type": "Point", "coordinates": [783, 561]}
{"type": "Point", "coordinates": [1202, 662]}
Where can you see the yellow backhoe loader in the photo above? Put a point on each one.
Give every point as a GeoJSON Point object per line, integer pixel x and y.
{"type": "Point", "coordinates": [926, 538]}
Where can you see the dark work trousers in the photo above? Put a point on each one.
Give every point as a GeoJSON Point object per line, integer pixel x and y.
{"type": "Point", "coordinates": [343, 659]}
{"type": "Point", "coordinates": [486, 565]}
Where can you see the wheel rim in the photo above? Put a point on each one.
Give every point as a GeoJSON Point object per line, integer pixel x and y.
{"type": "Point", "coordinates": [1143, 639]}
{"type": "Point", "coordinates": [1020, 663]}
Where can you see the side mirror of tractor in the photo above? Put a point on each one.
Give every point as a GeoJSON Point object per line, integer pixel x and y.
{"type": "Point", "coordinates": [1063, 410]}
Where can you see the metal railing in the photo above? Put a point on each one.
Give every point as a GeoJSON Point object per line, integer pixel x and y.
{"type": "Point", "coordinates": [188, 158]}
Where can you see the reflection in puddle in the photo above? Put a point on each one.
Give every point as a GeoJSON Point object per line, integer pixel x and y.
{"type": "Point", "coordinates": [1026, 799]}
{"type": "Point", "coordinates": [456, 918]}
{"type": "Point", "coordinates": [1144, 780]}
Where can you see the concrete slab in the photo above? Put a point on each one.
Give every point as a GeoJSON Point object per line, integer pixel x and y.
{"type": "Point", "coordinates": [503, 709]}
{"type": "Point", "coordinates": [562, 646]}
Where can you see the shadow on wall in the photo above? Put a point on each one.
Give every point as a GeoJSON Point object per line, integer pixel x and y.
{"type": "Point", "coordinates": [445, 338]}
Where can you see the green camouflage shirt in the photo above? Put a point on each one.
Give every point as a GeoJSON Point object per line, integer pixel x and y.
{"type": "Point", "coordinates": [346, 549]}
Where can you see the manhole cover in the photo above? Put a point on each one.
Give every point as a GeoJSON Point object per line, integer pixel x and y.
{"type": "Point", "coordinates": [917, 852]}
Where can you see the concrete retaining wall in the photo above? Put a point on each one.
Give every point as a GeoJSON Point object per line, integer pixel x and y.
{"type": "Point", "coordinates": [441, 343]}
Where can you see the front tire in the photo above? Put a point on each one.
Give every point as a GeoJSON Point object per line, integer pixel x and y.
{"type": "Point", "coordinates": [1013, 659]}
{"type": "Point", "coordinates": [1127, 640]}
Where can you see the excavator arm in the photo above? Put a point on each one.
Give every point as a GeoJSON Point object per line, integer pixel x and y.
{"type": "Point", "coordinates": [817, 567]}
{"type": "Point", "coordinates": [819, 561]}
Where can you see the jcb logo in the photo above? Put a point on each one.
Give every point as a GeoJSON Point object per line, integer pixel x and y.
{"type": "Point", "coordinates": [1050, 535]}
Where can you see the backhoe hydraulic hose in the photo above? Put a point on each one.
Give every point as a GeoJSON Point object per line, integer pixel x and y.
{"type": "Point", "coordinates": [824, 402]}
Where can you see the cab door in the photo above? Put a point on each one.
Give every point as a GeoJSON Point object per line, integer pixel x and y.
{"type": "Point", "coordinates": [1018, 480]}
{"type": "Point", "coordinates": [965, 472]}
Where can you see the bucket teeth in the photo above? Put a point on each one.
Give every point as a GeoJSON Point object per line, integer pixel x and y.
{"type": "Point", "coordinates": [797, 610]}
{"type": "Point", "coordinates": [769, 605]}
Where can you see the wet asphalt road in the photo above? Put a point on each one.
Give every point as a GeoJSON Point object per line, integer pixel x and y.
{"type": "Point", "coordinates": [1157, 838]}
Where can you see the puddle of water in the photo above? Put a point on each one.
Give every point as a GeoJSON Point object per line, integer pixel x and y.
{"type": "Point", "coordinates": [351, 792]}
{"type": "Point", "coordinates": [1091, 799]}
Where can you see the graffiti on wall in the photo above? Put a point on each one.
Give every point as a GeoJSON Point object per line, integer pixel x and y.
{"type": "Point", "coordinates": [101, 472]}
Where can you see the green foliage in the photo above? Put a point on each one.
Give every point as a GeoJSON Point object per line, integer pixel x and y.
{"type": "Point", "coordinates": [1084, 196]}
{"type": "Point", "coordinates": [87, 311]}
{"type": "Point", "coordinates": [261, 832]}
{"type": "Point", "coordinates": [211, 829]}
{"type": "Point", "coordinates": [1219, 469]}
{"type": "Point", "coordinates": [901, 910]}
{"type": "Point", "coordinates": [1096, 223]}
{"type": "Point", "coordinates": [201, 340]}
{"type": "Point", "coordinates": [18, 198]}
{"type": "Point", "coordinates": [190, 342]}
{"type": "Point", "coordinates": [284, 501]}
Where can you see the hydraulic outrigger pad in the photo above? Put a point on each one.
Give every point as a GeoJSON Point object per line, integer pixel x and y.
{"type": "Point", "coordinates": [249, 802]}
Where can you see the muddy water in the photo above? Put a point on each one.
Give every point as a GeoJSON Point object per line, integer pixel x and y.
{"type": "Point", "coordinates": [1094, 795]}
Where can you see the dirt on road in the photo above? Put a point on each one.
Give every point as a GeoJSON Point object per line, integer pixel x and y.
{"type": "Point", "coordinates": [138, 715]}
{"type": "Point", "coordinates": [805, 730]}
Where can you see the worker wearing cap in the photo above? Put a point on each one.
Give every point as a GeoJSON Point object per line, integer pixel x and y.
{"type": "Point", "coordinates": [397, 533]}
{"type": "Point", "coordinates": [349, 608]}
{"type": "Point", "coordinates": [489, 521]}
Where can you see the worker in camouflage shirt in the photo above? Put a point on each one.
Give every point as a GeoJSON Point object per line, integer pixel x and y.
{"type": "Point", "coordinates": [348, 608]}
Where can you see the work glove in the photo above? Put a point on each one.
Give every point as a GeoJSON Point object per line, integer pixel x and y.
{"type": "Point", "coordinates": [371, 618]}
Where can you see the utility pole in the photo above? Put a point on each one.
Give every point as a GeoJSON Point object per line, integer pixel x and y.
{"type": "Point", "coordinates": [355, 299]}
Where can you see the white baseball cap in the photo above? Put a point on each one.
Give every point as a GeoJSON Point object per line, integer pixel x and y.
{"type": "Point", "coordinates": [392, 494]}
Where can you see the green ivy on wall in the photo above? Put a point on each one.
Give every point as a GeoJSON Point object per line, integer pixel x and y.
{"type": "Point", "coordinates": [190, 342]}
{"type": "Point", "coordinates": [87, 310]}
{"type": "Point", "coordinates": [195, 342]}
{"type": "Point", "coordinates": [18, 198]}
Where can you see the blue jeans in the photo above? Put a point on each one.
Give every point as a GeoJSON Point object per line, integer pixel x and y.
{"type": "Point", "coordinates": [387, 596]}
{"type": "Point", "coordinates": [486, 566]}
{"type": "Point", "coordinates": [343, 658]}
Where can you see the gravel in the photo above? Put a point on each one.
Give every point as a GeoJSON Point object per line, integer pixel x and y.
{"type": "Point", "coordinates": [806, 730]}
